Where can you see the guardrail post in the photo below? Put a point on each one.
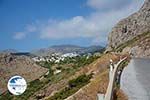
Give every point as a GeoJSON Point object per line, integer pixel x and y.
{"type": "Point", "coordinates": [100, 96]}
{"type": "Point", "coordinates": [111, 69]}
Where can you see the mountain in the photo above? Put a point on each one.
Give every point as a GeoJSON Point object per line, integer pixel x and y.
{"type": "Point", "coordinates": [133, 32]}
{"type": "Point", "coordinates": [16, 53]}
{"type": "Point", "coordinates": [11, 65]}
{"type": "Point", "coordinates": [9, 51]}
{"type": "Point", "coordinates": [23, 54]}
{"type": "Point", "coordinates": [62, 49]}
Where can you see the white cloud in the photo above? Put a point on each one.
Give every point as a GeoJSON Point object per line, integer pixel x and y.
{"type": "Point", "coordinates": [108, 4]}
{"type": "Point", "coordinates": [19, 35]}
{"type": "Point", "coordinates": [28, 29]}
{"type": "Point", "coordinates": [75, 27]}
{"type": "Point", "coordinates": [97, 25]}
{"type": "Point", "coordinates": [31, 28]}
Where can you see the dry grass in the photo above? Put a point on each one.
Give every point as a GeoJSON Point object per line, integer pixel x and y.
{"type": "Point", "coordinates": [99, 82]}
{"type": "Point", "coordinates": [119, 95]}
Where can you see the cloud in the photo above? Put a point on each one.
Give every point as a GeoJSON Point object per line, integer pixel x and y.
{"type": "Point", "coordinates": [22, 35]}
{"type": "Point", "coordinates": [31, 28]}
{"type": "Point", "coordinates": [75, 27]}
{"type": "Point", "coordinates": [96, 25]}
{"type": "Point", "coordinates": [19, 35]}
{"type": "Point", "coordinates": [108, 4]}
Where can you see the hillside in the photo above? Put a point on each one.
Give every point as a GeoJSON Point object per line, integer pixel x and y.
{"type": "Point", "coordinates": [18, 65]}
{"type": "Point", "coordinates": [131, 27]}
{"type": "Point", "coordinates": [139, 46]}
{"type": "Point", "coordinates": [8, 51]}
{"type": "Point", "coordinates": [62, 49]}
{"type": "Point", "coordinates": [79, 77]}
{"type": "Point", "coordinates": [98, 83]}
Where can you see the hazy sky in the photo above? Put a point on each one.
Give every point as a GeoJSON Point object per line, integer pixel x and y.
{"type": "Point", "coordinates": [31, 24]}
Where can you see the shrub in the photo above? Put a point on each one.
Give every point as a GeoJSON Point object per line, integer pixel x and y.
{"type": "Point", "coordinates": [73, 86]}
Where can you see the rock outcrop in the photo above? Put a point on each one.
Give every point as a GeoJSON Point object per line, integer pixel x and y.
{"type": "Point", "coordinates": [11, 65]}
{"type": "Point", "coordinates": [128, 28]}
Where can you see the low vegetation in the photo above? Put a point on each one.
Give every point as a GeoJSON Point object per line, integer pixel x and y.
{"type": "Point", "coordinates": [32, 88]}
{"type": "Point", "coordinates": [68, 67]}
{"type": "Point", "coordinates": [131, 42]}
{"type": "Point", "coordinates": [73, 86]}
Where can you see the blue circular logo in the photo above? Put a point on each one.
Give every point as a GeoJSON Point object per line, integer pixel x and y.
{"type": "Point", "coordinates": [17, 85]}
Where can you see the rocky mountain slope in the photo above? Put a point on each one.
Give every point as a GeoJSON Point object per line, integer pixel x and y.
{"type": "Point", "coordinates": [62, 49]}
{"type": "Point", "coordinates": [138, 47]}
{"type": "Point", "coordinates": [129, 28]}
{"type": "Point", "coordinates": [8, 51]}
{"type": "Point", "coordinates": [18, 65]}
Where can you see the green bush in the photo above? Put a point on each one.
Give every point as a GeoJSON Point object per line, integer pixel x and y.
{"type": "Point", "coordinates": [73, 86]}
{"type": "Point", "coordinates": [80, 80]}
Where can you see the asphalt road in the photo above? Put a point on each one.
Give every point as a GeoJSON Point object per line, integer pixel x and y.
{"type": "Point", "coordinates": [135, 79]}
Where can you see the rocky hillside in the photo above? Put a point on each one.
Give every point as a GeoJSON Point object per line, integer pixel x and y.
{"type": "Point", "coordinates": [8, 51]}
{"type": "Point", "coordinates": [131, 27]}
{"type": "Point", "coordinates": [18, 65]}
{"type": "Point", "coordinates": [138, 47]}
{"type": "Point", "coordinates": [99, 82]}
{"type": "Point", "coordinates": [62, 49]}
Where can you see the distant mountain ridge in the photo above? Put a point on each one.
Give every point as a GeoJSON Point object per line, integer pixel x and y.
{"type": "Point", "coordinates": [8, 51]}
{"type": "Point", "coordinates": [62, 49]}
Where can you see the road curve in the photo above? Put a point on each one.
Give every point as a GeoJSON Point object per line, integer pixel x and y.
{"type": "Point", "coordinates": [135, 79]}
{"type": "Point", "coordinates": [109, 92]}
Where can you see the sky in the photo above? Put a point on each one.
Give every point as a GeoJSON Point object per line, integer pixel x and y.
{"type": "Point", "coordinates": [27, 25]}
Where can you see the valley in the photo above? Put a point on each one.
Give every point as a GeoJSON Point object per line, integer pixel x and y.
{"type": "Point", "coordinates": [75, 72]}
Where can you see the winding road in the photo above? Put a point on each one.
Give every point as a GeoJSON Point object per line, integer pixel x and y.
{"type": "Point", "coordinates": [109, 92]}
{"type": "Point", "coordinates": [135, 79]}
